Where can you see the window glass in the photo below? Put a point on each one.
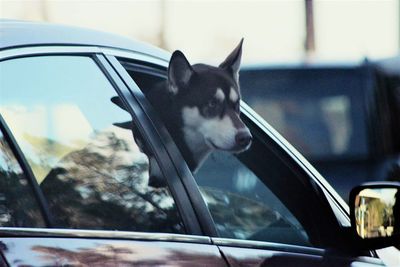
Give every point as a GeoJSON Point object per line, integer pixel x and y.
{"type": "Point", "coordinates": [18, 206]}
{"type": "Point", "coordinates": [243, 206]}
{"type": "Point", "coordinates": [77, 138]}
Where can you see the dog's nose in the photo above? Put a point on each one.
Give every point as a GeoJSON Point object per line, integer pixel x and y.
{"type": "Point", "coordinates": [243, 138]}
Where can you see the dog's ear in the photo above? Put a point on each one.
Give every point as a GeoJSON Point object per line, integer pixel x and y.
{"type": "Point", "coordinates": [117, 101]}
{"type": "Point", "coordinates": [232, 62]}
{"type": "Point", "coordinates": [179, 71]}
{"type": "Point", "coordinates": [125, 125]}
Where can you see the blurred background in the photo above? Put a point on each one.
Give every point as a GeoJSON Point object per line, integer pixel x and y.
{"type": "Point", "coordinates": [274, 31]}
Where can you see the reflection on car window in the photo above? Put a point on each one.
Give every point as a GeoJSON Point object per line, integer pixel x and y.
{"type": "Point", "coordinates": [242, 206]}
{"type": "Point", "coordinates": [90, 168]}
{"type": "Point", "coordinates": [15, 210]}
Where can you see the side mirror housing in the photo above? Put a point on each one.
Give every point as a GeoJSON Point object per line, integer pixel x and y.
{"type": "Point", "coordinates": [375, 215]}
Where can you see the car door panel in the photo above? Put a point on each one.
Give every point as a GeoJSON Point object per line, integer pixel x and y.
{"type": "Point", "coordinates": [260, 257]}
{"type": "Point", "coordinates": [240, 256]}
{"type": "Point", "coordinates": [90, 251]}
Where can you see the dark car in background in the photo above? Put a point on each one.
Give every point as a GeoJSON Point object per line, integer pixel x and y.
{"type": "Point", "coordinates": [74, 185]}
{"type": "Point", "coordinates": [344, 118]}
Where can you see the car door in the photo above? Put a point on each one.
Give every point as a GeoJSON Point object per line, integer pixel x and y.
{"type": "Point", "coordinates": [266, 208]}
{"type": "Point", "coordinates": [76, 183]}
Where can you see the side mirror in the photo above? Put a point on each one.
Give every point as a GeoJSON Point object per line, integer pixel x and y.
{"type": "Point", "coordinates": [375, 214]}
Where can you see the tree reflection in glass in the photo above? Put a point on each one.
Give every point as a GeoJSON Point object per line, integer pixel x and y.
{"type": "Point", "coordinates": [18, 207]}
{"type": "Point", "coordinates": [105, 186]}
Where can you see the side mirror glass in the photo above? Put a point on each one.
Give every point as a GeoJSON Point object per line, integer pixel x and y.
{"type": "Point", "coordinates": [375, 213]}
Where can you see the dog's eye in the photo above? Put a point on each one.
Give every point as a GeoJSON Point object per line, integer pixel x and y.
{"type": "Point", "coordinates": [212, 103]}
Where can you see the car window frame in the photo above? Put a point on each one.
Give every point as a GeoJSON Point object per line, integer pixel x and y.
{"type": "Point", "coordinates": [295, 162]}
{"type": "Point", "coordinates": [329, 198]}
{"type": "Point", "coordinates": [185, 176]}
{"type": "Point", "coordinates": [145, 128]}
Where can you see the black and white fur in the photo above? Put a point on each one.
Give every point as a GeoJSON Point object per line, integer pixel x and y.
{"type": "Point", "coordinates": [200, 106]}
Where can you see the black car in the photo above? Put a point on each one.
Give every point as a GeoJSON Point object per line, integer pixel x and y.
{"type": "Point", "coordinates": [74, 186]}
{"type": "Point", "coordinates": [343, 117]}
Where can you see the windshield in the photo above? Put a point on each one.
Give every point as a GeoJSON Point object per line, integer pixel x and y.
{"type": "Point", "coordinates": [319, 111]}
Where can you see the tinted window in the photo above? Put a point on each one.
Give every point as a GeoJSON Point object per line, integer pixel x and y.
{"type": "Point", "coordinates": [319, 111]}
{"type": "Point", "coordinates": [243, 206]}
{"type": "Point", "coordinates": [18, 206]}
{"type": "Point", "coordinates": [80, 147]}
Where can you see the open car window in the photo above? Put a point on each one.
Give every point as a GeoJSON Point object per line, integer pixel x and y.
{"type": "Point", "coordinates": [252, 195]}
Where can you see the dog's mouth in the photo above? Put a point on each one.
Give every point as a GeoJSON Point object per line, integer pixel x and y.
{"type": "Point", "coordinates": [235, 149]}
{"type": "Point", "coordinates": [242, 148]}
{"type": "Point", "coordinates": [211, 144]}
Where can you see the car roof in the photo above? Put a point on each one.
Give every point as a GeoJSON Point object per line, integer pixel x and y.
{"type": "Point", "coordinates": [16, 34]}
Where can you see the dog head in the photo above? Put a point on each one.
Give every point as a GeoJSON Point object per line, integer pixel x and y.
{"type": "Point", "coordinates": [209, 101]}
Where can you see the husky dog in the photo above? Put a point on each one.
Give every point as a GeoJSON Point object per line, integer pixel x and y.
{"type": "Point", "coordinates": [200, 106]}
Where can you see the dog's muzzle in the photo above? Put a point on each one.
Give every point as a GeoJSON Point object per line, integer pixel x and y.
{"type": "Point", "coordinates": [243, 139]}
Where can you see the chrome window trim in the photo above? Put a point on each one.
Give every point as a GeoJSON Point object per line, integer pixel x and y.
{"type": "Point", "coordinates": [135, 56]}
{"type": "Point", "coordinates": [228, 242]}
{"type": "Point", "coordinates": [45, 50]}
{"type": "Point", "coordinates": [72, 49]}
{"type": "Point", "coordinates": [106, 234]}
